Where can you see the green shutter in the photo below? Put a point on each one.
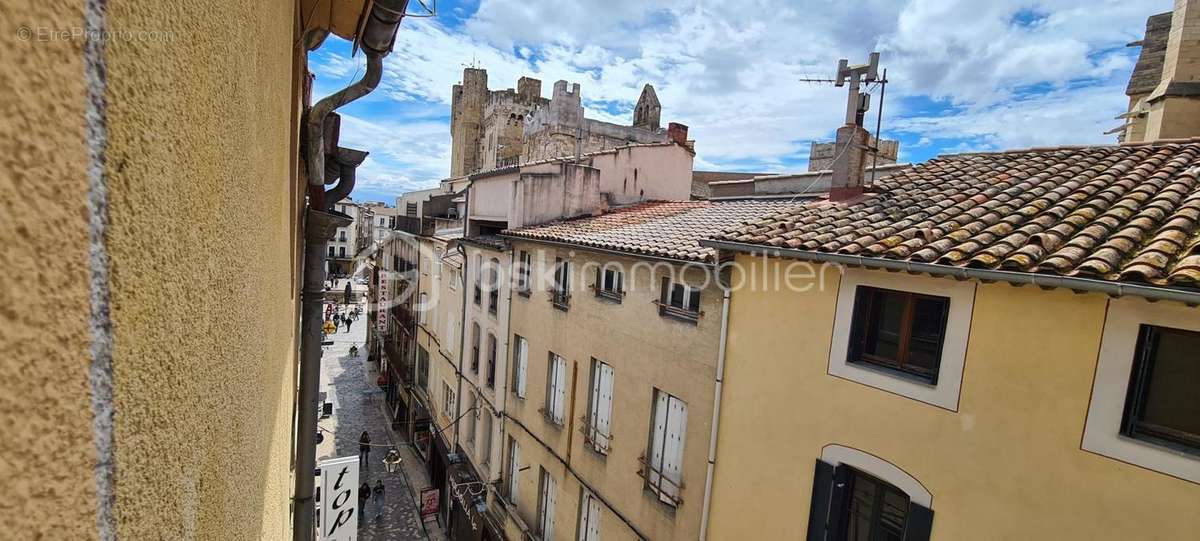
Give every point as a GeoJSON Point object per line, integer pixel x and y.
{"type": "Point", "coordinates": [919, 523]}
{"type": "Point", "coordinates": [818, 509]}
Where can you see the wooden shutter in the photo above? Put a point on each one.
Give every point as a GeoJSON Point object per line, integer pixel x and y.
{"type": "Point", "coordinates": [560, 388]}
{"type": "Point", "coordinates": [664, 295]}
{"type": "Point", "coordinates": [658, 438]}
{"type": "Point", "coordinates": [919, 524]}
{"type": "Point", "coordinates": [604, 397]}
{"type": "Point", "coordinates": [673, 447]}
{"type": "Point", "coordinates": [551, 499]}
{"type": "Point", "coordinates": [514, 469]}
{"type": "Point", "coordinates": [599, 280]}
{"type": "Point", "coordinates": [839, 501]}
{"type": "Point", "coordinates": [522, 358]}
{"type": "Point", "coordinates": [693, 299]}
{"type": "Point", "coordinates": [818, 509]}
{"type": "Point", "coordinates": [589, 518]}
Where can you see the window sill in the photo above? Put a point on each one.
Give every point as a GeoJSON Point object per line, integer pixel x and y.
{"type": "Point", "coordinates": [524, 293]}
{"type": "Point", "coordinates": [678, 314]}
{"type": "Point", "coordinates": [893, 372]}
{"type": "Point", "coordinates": [611, 296]}
{"type": "Point", "coordinates": [550, 420]}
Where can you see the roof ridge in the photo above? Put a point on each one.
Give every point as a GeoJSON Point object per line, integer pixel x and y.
{"type": "Point", "coordinates": [1031, 150]}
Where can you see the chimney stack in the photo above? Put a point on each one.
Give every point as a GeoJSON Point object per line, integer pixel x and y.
{"type": "Point", "coordinates": [852, 139]}
{"type": "Point", "coordinates": [677, 133]}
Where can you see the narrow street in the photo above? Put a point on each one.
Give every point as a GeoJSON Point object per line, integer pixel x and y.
{"type": "Point", "coordinates": [357, 406]}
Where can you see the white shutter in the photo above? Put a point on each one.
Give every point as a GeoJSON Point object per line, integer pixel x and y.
{"type": "Point", "coordinates": [551, 497]}
{"type": "Point", "coordinates": [522, 356]}
{"type": "Point", "coordinates": [656, 443]}
{"type": "Point", "coordinates": [514, 468]}
{"type": "Point", "coordinates": [589, 518]}
{"type": "Point", "coordinates": [673, 449]}
{"type": "Point", "coordinates": [560, 384]}
{"type": "Point", "coordinates": [603, 413]}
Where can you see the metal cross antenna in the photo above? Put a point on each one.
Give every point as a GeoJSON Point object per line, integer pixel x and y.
{"type": "Point", "coordinates": [857, 74]}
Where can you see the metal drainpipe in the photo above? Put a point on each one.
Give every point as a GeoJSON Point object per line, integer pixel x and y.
{"type": "Point", "coordinates": [316, 116]}
{"type": "Point", "coordinates": [462, 326]}
{"type": "Point", "coordinates": [716, 416]}
{"type": "Point", "coordinates": [319, 228]}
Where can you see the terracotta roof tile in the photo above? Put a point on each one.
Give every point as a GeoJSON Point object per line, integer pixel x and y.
{"type": "Point", "coordinates": [669, 229]}
{"type": "Point", "coordinates": [1118, 213]}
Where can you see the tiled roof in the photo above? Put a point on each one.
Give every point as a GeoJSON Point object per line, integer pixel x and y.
{"type": "Point", "coordinates": [1118, 213]}
{"type": "Point", "coordinates": [670, 229]}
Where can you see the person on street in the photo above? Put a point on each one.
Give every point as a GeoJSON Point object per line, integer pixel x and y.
{"type": "Point", "coordinates": [378, 493]}
{"type": "Point", "coordinates": [364, 450]}
{"type": "Point", "coordinates": [347, 320]}
{"type": "Point", "coordinates": [392, 460]}
{"type": "Point", "coordinates": [364, 492]}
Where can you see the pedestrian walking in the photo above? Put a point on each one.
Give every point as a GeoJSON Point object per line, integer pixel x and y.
{"type": "Point", "coordinates": [364, 450]}
{"type": "Point", "coordinates": [378, 493]}
{"type": "Point", "coordinates": [364, 493]}
{"type": "Point", "coordinates": [347, 320]}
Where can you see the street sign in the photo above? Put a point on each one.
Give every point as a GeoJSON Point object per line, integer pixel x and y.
{"type": "Point", "coordinates": [381, 306]}
{"type": "Point", "coordinates": [339, 503]}
{"type": "Point", "coordinates": [429, 502]}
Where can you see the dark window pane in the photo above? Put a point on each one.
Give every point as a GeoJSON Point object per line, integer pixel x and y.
{"type": "Point", "coordinates": [877, 511]}
{"type": "Point", "coordinates": [925, 344]}
{"type": "Point", "coordinates": [1172, 396]}
{"type": "Point", "coordinates": [892, 515]}
{"type": "Point", "coordinates": [886, 318]}
{"type": "Point", "coordinates": [677, 295]}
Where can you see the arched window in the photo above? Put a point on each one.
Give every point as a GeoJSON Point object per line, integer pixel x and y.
{"type": "Point", "coordinates": [857, 495]}
{"type": "Point", "coordinates": [475, 348]}
{"type": "Point", "coordinates": [491, 361]}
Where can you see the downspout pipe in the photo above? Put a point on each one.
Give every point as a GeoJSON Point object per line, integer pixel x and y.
{"type": "Point", "coordinates": [1190, 297]}
{"type": "Point", "coordinates": [315, 160]}
{"type": "Point", "coordinates": [716, 415]}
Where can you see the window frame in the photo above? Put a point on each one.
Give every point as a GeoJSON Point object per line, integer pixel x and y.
{"type": "Point", "coordinates": [560, 293]}
{"type": "Point", "coordinates": [613, 290]}
{"type": "Point", "coordinates": [861, 326]}
{"type": "Point", "coordinates": [476, 333]}
{"type": "Point", "coordinates": [556, 368]}
{"type": "Point", "coordinates": [688, 309]}
{"type": "Point", "coordinates": [654, 474]}
{"type": "Point", "coordinates": [599, 439]}
{"type": "Point", "coordinates": [524, 273]}
{"type": "Point", "coordinates": [491, 361]}
{"type": "Point", "coordinates": [520, 365]}
{"type": "Point", "coordinates": [547, 499]}
{"type": "Point", "coordinates": [513, 472]}
{"type": "Point", "coordinates": [1139, 391]}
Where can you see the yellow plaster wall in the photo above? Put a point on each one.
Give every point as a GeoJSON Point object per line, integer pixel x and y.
{"type": "Point", "coordinates": [646, 352]}
{"type": "Point", "coordinates": [1007, 465]}
{"type": "Point", "coordinates": [204, 203]}
{"type": "Point", "coordinates": [46, 452]}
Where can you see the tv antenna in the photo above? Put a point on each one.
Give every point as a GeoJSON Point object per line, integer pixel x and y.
{"type": "Point", "coordinates": [858, 103]}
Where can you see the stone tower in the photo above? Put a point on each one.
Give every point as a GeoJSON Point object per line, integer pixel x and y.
{"type": "Point", "coordinates": [466, 116]}
{"type": "Point", "coordinates": [647, 113]}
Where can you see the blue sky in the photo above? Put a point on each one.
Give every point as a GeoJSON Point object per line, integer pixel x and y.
{"type": "Point", "coordinates": [964, 75]}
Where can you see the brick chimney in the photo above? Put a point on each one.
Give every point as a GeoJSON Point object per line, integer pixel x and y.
{"type": "Point", "coordinates": [677, 133]}
{"type": "Point", "coordinates": [1174, 105]}
{"type": "Point", "coordinates": [848, 164]}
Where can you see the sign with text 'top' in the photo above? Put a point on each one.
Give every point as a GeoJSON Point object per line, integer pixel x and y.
{"type": "Point", "coordinates": [339, 499]}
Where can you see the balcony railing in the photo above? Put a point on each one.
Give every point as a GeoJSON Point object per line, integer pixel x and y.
{"type": "Point", "coordinates": [409, 224]}
{"type": "Point", "coordinates": [658, 483]}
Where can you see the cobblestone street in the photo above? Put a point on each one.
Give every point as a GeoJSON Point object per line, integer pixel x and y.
{"type": "Point", "coordinates": [349, 384]}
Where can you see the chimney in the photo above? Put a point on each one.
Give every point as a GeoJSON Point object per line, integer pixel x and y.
{"type": "Point", "coordinates": [1174, 105]}
{"type": "Point", "coordinates": [677, 133]}
{"type": "Point", "coordinates": [851, 142]}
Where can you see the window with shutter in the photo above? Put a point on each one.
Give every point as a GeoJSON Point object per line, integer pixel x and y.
{"type": "Point", "coordinates": [589, 517]}
{"type": "Point", "coordinates": [514, 469]}
{"type": "Point", "coordinates": [555, 389]}
{"type": "Point", "coordinates": [664, 464]}
{"type": "Point", "coordinates": [546, 501]}
{"type": "Point", "coordinates": [520, 357]}
{"type": "Point", "coordinates": [600, 409]}
{"type": "Point", "coordinates": [849, 504]}
{"type": "Point", "coordinates": [679, 301]}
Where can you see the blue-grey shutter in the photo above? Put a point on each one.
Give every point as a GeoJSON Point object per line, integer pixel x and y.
{"type": "Point", "coordinates": [826, 495]}
{"type": "Point", "coordinates": [919, 523]}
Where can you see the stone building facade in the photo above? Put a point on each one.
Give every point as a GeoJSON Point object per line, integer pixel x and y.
{"type": "Point", "coordinates": [821, 155]}
{"type": "Point", "coordinates": [499, 128]}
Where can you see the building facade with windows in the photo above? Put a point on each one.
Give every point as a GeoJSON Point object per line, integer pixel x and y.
{"type": "Point", "coordinates": [942, 402]}
{"type": "Point", "coordinates": [615, 327]}
{"type": "Point", "coordinates": [341, 249]}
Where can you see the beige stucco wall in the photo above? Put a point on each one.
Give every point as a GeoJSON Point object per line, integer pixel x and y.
{"type": "Point", "coordinates": [646, 352]}
{"type": "Point", "coordinates": [46, 454]}
{"type": "Point", "coordinates": [643, 173]}
{"type": "Point", "coordinates": [203, 203]}
{"type": "Point", "coordinates": [1006, 465]}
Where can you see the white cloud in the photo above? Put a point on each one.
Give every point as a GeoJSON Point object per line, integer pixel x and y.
{"type": "Point", "coordinates": [1017, 72]}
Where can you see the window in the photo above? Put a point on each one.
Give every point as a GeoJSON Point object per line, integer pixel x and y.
{"type": "Point", "coordinates": [448, 400]}
{"type": "Point", "coordinates": [471, 414]}
{"type": "Point", "coordinates": [448, 337]}
{"type": "Point", "coordinates": [679, 301]}
{"type": "Point", "coordinates": [589, 517]}
{"type": "Point", "coordinates": [899, 331]}
{"type": "Point", "coordinates": [545, 511]}
{"type": "Point", "coordinates": [520, 359]}
{"type": "Point", "coordinates": [556, 388]}
{"type": "Point", "coordinates": [342, 251]}
{"type": "Point", "coordinates": [664, 460]}
{"type": "Point", "coordinates": [331, 251]}
{"type": "Point", "coordinates": [560, 296]}
{"type": "Point", "coordinates": [475, 348]}
{"type": "Point", "coordinates": [1161, 405]}
{"type": "Point", "coordinates": [478, 281]}
{"type": "Point", "coordinates": [410, 209]}
{"type": "Point", "coordinates": [382, 221]}
{"type": "Point", "coordinates": [491, 361]}
{"type": "Point", "coordinates": [493, 286]}
{"type": "Point", "coordinates": [422, 368]}
{"type": "Point", "coordinates": [850, 504]}
{"type": "Point", "coordinates": [514, 469]}
{"type": "Point", "coordinates": [485, 449]}
{"type": "Point", "coordinates": [524, 268]}
{"type": "Point", "coordinates": [342, 235]}
{"type": "Point", "coordinates": [422, 307]}
{"type": "Point", "coordinates": [598, 432]}
{"type": "Point", "coordinates": [610, 283]}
